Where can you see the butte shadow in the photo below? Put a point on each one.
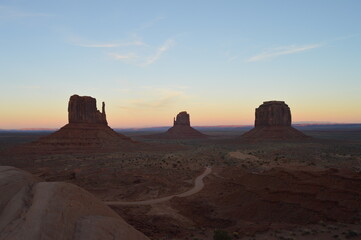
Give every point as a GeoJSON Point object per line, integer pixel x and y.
{"type": "Point", "coordinates": [273, 122]}
{"type": "Point", "coordinates": [181, 129]}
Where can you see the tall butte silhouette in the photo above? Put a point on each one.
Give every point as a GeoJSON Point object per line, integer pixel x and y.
{"type": "Point", "coordinates": [273, 121]}
{"type": "Point", "coordinates": [87, 130]}
{"type": "Point", "coordinates": [181, 129]}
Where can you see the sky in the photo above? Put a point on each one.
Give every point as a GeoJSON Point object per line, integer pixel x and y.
{"type": "Point", "coordinates": [149, 60]}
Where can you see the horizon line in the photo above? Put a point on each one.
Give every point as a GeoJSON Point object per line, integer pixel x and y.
{"type": "Point", "coordinates": [308, 123]}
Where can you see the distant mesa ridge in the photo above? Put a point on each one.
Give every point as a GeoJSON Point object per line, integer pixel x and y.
{"type": "Point", "coordinates": [273, 121]}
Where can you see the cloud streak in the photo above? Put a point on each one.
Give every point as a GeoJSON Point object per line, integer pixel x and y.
{"type": "Point", "coordinates": [29, 87]}
{"type": "Point", "coordinates": [142, 59]}
{"type": "Point", "coordinates": [13, 13]}
{"type": "Point", "coordinates": [284, 50]}
{"type": "Point", "coordinates": [110, 45]}
{"type": "Point", "coordinates": [160, 51]}
{"type": "Point", "coordinates": [150, 23]}
{"type": "Point", "coordinates": [156, 99]}
{"type": "Point", "coordinates": [117, 56]}
{"type": "Point", "coordinates": [133, 51]}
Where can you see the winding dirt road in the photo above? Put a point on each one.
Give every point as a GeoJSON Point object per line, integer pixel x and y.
{"type": "Point", "coordinates": [198, 186]}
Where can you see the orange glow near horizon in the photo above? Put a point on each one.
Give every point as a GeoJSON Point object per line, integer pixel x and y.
{"type": "Point", "coordinates": [53, 119]}
{"type": "Point", "coordinates": [53, 114]}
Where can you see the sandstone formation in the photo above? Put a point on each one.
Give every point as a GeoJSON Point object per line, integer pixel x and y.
{"type": "Point", "coordinates": [273, 113]}
{"type": "Point", "coordinates": [273, 121]}
{"type": "Point", "coordinates": [182, 119]}
{"type": "Point", "coordinates": [86, 131]}
{"type": "Point", "coordinates": [181, 129]}
{"type": "Point", "coordinates": [32, 210]}
{"type": "Point", "coordinates": [84, 110]}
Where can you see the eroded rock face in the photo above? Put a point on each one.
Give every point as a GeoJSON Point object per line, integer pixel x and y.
{"type": "Point", "coordinates": [87, 131]}
{"type": "Point", "coordinates": [83, 109]}
{"type": "Point", "coordinates": [182, 119]}
{"type": "Point", "coordinates": [31, 209]}
{"type": "Point", "coordinates": [273, 113]}
{"type": "Point", "coordinates": [181, 129]}
{"type": "Point", "coordinates": [273, 122]}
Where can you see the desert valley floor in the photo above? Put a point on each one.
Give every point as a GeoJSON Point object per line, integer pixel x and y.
{"type": "Point", "coordinates": [305, 189]}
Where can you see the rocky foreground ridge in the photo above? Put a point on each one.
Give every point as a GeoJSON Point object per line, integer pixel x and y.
{"type": "Point", "coordinates": [32, 209]}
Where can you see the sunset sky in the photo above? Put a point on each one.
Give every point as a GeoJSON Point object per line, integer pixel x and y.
{"type": "Point", "coordinates": [149, 60]}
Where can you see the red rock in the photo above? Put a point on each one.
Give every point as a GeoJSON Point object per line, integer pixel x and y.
{"type": "Point", "coordinates": [86, 131]}
{"type": "Point", "coordinates": [182, 119]}
{"type": "Point", "coordinates": [181, 129]}
{"type": "Point", "coordinates": [273, 113]}
{"type": "Point", "coordinates": [273, 121]}
{"type": "Point", "coordinates": [277, 198]}
{"type": "Point", "coordinates": [32, 209]}
{"type": "Point", "coordinates": [84, 110]}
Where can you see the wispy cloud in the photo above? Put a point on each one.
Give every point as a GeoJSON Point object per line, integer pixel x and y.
{"type": "Point", "coordinates": [149, 24]}
{"type": "Point", "coordinates": [164, 101]}
{"type": "Point", "coordinates": [7, 12]}
{"type": "Point", "coordinates": [279, 51]}
{"type": "Point", "coordinates": [344, 37]}
{"type": "Point", "coordinates": [160, 51]}
{"type": "Point", "coordinates": [143, 59]}
{"type": "Point", "coordinates": [130, 50]}
{"type": "Point", "coordinates": [131, 41]}
{"type": "Point", "coordinates": [153, 98]}
{"type": "Point", "coordinates": [110, 45]}
{"type": "Point", "coordinates": [117, 56]}
{"type": "Point", "coordinates": [29, 87]}
{"type": "Point", "coordinates": [230, 57]}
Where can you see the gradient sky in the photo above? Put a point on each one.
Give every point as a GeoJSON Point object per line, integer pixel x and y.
{"type": "Point", "coordinates": [149, 60]}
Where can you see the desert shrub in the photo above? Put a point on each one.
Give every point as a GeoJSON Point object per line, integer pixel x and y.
{"type": "Point", "coordinates": [221, 235]}
{"type": "Point", "coordinates": [351, 234]}
{"type": "Point", "coordinates": [235, 235]}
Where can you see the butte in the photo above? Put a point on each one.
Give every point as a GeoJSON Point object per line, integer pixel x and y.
{"type": "Point", "coordinates": [273, 122]}
{"type": "Point", "coordinates": [87, 130]}
{"type": "Point", "coordinates": [181, 129]}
